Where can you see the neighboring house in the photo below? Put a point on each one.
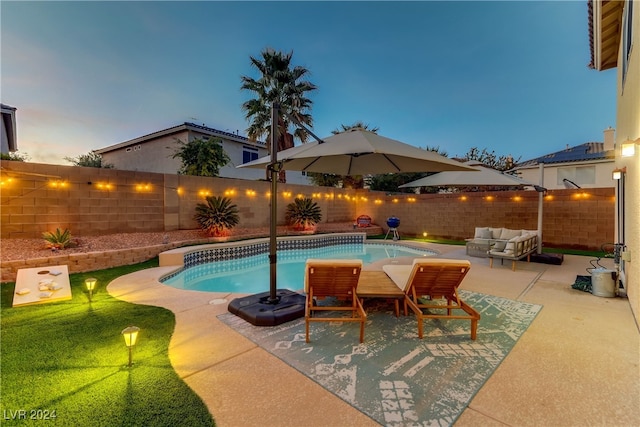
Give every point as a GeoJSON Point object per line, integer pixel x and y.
{"type": "Point", "coordinates": [586, 165]}
{"type": "Point", "coordinates": [9, 141]}
{"type": "Point", "coordinates": [614, 29]}
{"type": "Point", "coordinates": [154, 153]}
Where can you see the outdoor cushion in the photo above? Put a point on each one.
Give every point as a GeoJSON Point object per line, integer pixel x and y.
{"type": "Point", "coordinates": [500, 245]}
{"type": "Point", "coordinates": [508, 234]}
{"type": "Point", "coordinates": [481, 231]}
{"type": "Point", "coordinates": [495, 232]}
{"type": "Point", "coordinates": [484, 233]}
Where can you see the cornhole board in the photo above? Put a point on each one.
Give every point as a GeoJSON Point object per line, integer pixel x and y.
{"type": "Point", "coordinates": [31, 279]}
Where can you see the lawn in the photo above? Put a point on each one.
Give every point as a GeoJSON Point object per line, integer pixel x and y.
{"type": "Point", "coordinates": [67, 362]}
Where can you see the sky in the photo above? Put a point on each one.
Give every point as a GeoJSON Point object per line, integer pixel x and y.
{"type": "Point", "coordinates": [507, 76]}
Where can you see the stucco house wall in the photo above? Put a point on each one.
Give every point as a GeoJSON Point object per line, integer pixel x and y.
{"type": "Point", "coordinates": [628, 130]}
{"type": "Point", "coordinates": [614, 35]}
{"type": "Point", "coordinates": [154, 153]}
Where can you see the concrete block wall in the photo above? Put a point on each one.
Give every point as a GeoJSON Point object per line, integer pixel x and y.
{"type": "Point", "coordinates": [33, 201]}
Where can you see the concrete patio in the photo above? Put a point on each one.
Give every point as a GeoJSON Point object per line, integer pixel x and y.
{"type": "Point", "coordinates": [576, 365]}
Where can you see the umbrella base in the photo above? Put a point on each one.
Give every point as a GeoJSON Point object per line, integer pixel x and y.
{"type": "Point", "coordinates": [258, 310]}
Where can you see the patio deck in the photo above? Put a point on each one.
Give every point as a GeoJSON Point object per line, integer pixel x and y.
{"type": "Point", "coordinates": [577, 364]}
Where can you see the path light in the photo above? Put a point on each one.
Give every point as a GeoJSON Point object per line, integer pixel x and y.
{"type": "Point", "coordinates": [130, 335]}
{"type": "Point", "coordinates": [91, 284]}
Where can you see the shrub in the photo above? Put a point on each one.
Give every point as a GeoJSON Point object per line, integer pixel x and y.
{"type": "Point", "coordinates": [217, 215]}
{"type": "Point", "coordinates": [58, 239]}
{"type": "Point", "coordinates": [303, 213]}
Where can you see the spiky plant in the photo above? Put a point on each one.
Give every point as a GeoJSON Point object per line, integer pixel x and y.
{"type": "Point", "coordinates": [303, 213]}
{"type": "Point", "coordinates": [217, 215]}
{"type": "Point", "coordinates": [58, 239]}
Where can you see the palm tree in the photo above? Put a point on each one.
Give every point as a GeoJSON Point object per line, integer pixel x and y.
{"type": "Point", "coordinates": [359, 125]}
{"type": "Point", "coordinates": [282, 84]}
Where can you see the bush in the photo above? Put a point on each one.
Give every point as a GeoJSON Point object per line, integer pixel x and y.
{"type": "Point", "coordinates": [217, 215]}
{"type": "Point", "coordinates": [58, 239]}
{"type": "Point", "coordinates": [303, 213]}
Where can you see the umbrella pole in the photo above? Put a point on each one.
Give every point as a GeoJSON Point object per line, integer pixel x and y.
{"type": "Point", "coordinates": [273, 229]}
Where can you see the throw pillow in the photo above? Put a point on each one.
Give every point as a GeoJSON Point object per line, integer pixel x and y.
{"type": "Point", "coordinates": [508, 234]}
{"type": "Point", "coordinates": [479, 231]}
{"type": "Point", "coordinates": [484, 233]}
{"type": "Point", "coordinates": [499, 246]}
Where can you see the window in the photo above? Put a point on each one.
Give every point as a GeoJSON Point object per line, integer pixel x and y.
{"type": "Point", "coordinates": [578, 174]}
{"type": "Point", "coordinates": [249, 154]}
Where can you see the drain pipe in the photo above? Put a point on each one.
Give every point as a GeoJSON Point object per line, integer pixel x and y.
{"type": "Point", "coordinates": [541, 192]}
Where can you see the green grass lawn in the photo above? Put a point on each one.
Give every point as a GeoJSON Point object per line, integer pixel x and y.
{"type": "Point", "coordinates": [67, 361]}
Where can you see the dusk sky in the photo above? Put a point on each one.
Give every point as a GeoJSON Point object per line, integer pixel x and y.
{"type": "Point", "coordinates": [511, 77]}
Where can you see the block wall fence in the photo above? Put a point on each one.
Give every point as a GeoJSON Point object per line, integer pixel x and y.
{"type": "Point", "coordinates": [36, 198]}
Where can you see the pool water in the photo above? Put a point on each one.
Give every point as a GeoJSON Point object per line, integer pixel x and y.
{"type": "Point", "coordinates": [251, 274]}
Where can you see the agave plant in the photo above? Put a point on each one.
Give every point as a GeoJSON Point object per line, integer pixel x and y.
{"type": "Point", "coordinates": [217, 215]}
{"type": "Point", "coordinates": [303, 213]}
{"type": "Point", "coordinates": [58, 239]}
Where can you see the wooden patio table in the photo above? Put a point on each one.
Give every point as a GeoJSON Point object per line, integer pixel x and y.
{"type": "Point", "coordinates": [376, 284]}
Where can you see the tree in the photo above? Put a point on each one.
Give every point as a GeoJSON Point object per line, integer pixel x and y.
{"type": "Point", "coordinates": [489, 159]}
{"type": "Point", "coordinates": [14, 156]}
{"type": "Point", "coordinates": [282, 84]}
{"type": "Point", "coordinates": [89, 160]}
{"type": "Point", "coordinates": [324, 179]}
{"type": "Point", "coordinates": [201, 157]}
{"type": "Point", "coordinates": [391, 181]}
{"type": "Point", "coordinates": [217, 215]}
{"type": "Point", "coordinates": [360, 125]}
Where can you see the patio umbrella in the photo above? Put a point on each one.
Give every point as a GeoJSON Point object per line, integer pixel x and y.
{"type": "Point", "coordinates": [355, 152]}
{"type": "Point", "coordinates": [360, 152]}
{"type": "Point", "coordinates": [485, 177]}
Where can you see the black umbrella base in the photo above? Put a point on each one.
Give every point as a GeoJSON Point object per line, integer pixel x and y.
{"type": "Point", "coordinates": [259, 310]}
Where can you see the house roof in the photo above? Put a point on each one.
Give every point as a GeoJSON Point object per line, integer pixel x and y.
{"type": "Point", "coordinates": [605, 20]}
{"type": "Point", "coordinates": [186, 126]}
{"type": "Point", "coordinates": [9, 123]}
{"type": "Point", "coordinates": [589, 151]}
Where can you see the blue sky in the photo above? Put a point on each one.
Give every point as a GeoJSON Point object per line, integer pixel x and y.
{"type": "Point", "coordinates": [506, 76]}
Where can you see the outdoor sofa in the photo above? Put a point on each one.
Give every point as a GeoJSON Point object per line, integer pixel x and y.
{"type": "Point", "coordinates": [503, 243]}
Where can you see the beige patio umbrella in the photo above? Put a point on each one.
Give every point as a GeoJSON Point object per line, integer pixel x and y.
{"type": "Point", "coordinates": [355, 152]}
{"type": "Point", "coordinates": [360, 152]}
{"type": "Point", "coordinates": [484, 177]}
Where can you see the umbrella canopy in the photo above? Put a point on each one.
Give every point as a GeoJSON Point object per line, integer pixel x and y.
{"type": "Point", "coordinates": [485, 177]}
{"type": "Point", "coordinates": [360, 152]}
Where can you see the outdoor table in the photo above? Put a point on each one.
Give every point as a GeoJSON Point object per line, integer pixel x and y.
{"type": "Point", "coordinates": [376, 284]}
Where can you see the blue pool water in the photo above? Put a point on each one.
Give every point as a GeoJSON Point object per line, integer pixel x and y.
{"type": "Point", "coordinates": [251, 274]}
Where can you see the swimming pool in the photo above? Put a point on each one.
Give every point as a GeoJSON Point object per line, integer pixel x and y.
{"type": "Point", "coordinates": [251, 274]}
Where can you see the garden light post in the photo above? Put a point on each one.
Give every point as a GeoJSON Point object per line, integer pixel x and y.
{"type": "Point", "coordinates": [130, 335]}
{"type": "Point", "coordinates": [91, 284]}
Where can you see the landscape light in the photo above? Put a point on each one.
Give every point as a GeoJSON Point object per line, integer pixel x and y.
{"type": "Point", "coordinates": [91, 284]}
{"type": "Point", "coordinates": [130, 335]}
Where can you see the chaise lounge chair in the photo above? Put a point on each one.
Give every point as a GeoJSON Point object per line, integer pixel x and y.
{"type": "Point", "coordinates": [430, 279]}
{"type": "Point", "coordinates": [333, 278]}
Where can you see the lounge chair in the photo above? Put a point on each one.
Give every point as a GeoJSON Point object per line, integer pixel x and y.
{"type": "Point", "coordinates": [429, 279]}
{"type": "Point", "coordinates": [333, 278]}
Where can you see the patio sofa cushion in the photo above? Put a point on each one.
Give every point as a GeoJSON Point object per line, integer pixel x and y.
{"type": "Point", "coordinates": [498, 239]}
{"type": "Point", "coordinates": [508, 234]}
{"type": "Point", "coordinates": [515, 249]}
{"type": "Point", "coordinates": [484, 233]}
